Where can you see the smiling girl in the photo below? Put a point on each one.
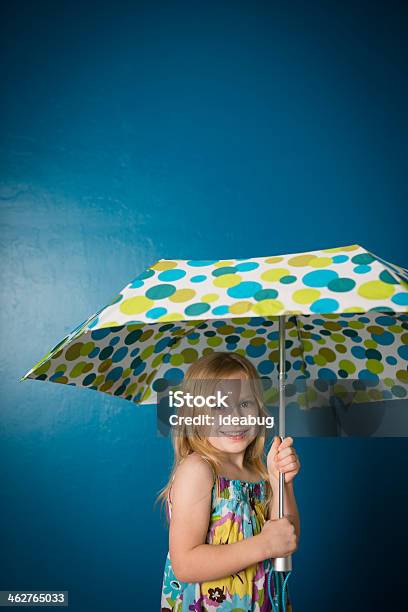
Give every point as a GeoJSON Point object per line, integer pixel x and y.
{"type": "Point", "coordinates": [220, 492]}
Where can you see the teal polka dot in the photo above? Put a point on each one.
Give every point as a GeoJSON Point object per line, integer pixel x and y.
{"type": "Point", "coordinates": [341, 284]}
{"type": "Point", "coordinates": [324, 305]}
{"type": "Point", "coordinates": [266, 294]}
{"type": "Point", "coordinates": [362, 258]}
{"type": "Point", "coordinates": [245, 289]}
{"type": "Point", "coordinates": [288, 279]}
{"type": "Point", "coordinates": [159, 292]}
{"type": "Point", "coordinates": [340, 258]}
{"type": "Point", "coordinates": [223, 270]}
{"type": "Point", "coordinates": [319, 278]}
{"type": "Point", "coordinates": [196, 309]}
{"type": "Point", "coordinates": [386, 277]}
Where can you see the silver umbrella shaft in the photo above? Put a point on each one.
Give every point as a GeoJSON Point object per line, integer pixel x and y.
{"type": "Point", "coordinates": [282, 564]}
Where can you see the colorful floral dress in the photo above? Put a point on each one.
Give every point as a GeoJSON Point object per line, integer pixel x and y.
{"type": "Point", "coordinates": [238, 512]}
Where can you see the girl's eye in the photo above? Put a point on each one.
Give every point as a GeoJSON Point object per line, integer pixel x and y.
{"type": "Point", "coordinates": [245, 404]}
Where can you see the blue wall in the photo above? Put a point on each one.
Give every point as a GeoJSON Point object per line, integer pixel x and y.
{"type": "Point", "coordinates": [133, 131]}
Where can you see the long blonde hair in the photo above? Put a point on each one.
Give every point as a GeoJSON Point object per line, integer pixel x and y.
{"type": "Point", "coordinates": [201, 375]}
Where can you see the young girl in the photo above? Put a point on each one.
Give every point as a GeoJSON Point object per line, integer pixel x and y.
{"type": "Point", "coordinates": [221, 492]}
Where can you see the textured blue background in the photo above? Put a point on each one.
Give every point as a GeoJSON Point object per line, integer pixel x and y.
{"type": "Point", "coordinates": [133, 131]}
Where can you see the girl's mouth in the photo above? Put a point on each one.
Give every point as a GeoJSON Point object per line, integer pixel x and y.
{"type": "Point", "coordinates": [236, 435]}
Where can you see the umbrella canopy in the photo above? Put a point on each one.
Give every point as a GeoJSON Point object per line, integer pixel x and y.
{"type": "Point", "coordinates": [346, 326]}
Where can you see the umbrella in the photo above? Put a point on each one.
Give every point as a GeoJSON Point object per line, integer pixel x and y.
{"type": "Point", "coordinates": [331, 324]}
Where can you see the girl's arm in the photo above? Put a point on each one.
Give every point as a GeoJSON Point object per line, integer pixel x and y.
{"type": "Point", "coordinates": [193, 560]}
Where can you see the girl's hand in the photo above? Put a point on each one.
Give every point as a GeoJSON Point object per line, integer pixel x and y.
{"type": "Point", "coordinates": [282, 457]}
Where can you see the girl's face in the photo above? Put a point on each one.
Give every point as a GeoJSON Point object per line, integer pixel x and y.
{"type": "Point", "coordinates": [229, 433]}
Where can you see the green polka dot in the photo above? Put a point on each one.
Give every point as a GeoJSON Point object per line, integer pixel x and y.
{"type": "Point", "coordinates": [338, 338]}
{"type": "Point", "coordinates": [402, 376]}
{"type": "Point", "coordinates": [376, 290]}
{"type": "Point", "coordinates": [73, 351]}
{"type": "Point", "coordinates": [43, 368]}
{"type": "Point", "coordinates": [135, 305]}
{"type": "Point", "coordinates": [176, 360]}
{"type": "Point", "coordinates": [227, 280]}
{"type": "Point", "coordinates": [80, 368]}
{"type": "Point", "coordinates": [374, 366]}
{"type": "Point", "coordinates": [214, 341]}
{"type": "Point", "coordinates": [305, 296]}
{"type": "Point", "coordinates": [189, 355]}
{"type": "Point", "coordinates": [87, 348]}
{"type": "Point", "coordinates": [347, 365]}
{"type": "Point", "coordinates": [328, 354]}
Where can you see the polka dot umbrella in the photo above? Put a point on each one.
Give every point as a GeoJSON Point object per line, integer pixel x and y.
{"type": "Point", "coordinates": [343, 310]}
{"type": "Point", "coordinates": [330, 324]}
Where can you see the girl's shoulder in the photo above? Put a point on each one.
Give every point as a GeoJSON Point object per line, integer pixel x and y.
{"type": "Point", "coordinates": [195, 468]}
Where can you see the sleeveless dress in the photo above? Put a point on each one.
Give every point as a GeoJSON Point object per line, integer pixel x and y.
{"type": "Point", "coordinates": [237, 513]}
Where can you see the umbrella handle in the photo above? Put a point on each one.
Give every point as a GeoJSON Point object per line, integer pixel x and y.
{"type": "Point", "coordinates": [282, 564]}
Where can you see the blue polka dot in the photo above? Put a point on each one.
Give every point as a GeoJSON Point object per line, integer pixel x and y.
{"type": "Point", "coordinates": [400, 298]}
{"type": "Point", "coordinates": [175, 375]}
{"type": "Point", "coordinates": [326, 374]}
{"type": "Point", "coordinates": [99, 334]}
{"type": "Point", "coordinates": [319, 278]}
{"type": "Point", "coordinates": [120, 354]}
{"type": "Point", "coordinates": [340, 258]}
{"type": "Point", "coordinates": [94, 352]}
{"type": "Point", "coordinates": [324, 305]}
{"type": "Point", "coordinates": [114, 340]}
{"type": "Point", "coordinates": [162, 344]}
{"type": "Point", "coordinates": [155, 313]}
{"type": "Point", "coordinates": [368, 377]}
{"type": "Point", "coordinates": [384, 320]}
{"type": "Point", "coordinates": [139, 369]}
{"type": "Point", "coordinates": [220, 310]}
{"type": "Point", "coordinates": [245, 289]}
{"type": "Point", "coordinates": [255, 351]}
{"type": "Point", "coordinates": [266, 367]}
{"type": "Point", "coordinates": [403, 352]}
{"type": "Point", "coordinates": [136, 284]}
{"type": "Point", "coordinates": [201, 262]}
{"type": "Point", "coordinates": [198, 279]}
{"type": "Point", "coordinates": [171, 275]}
{"type": "Point", "coordinates": [247, 266]}
{"type": "Point", "coordinates": [385, 339]}
{"type": "Point", "coordinates": [114, 374]}
{"type": "Point", "coordinates": [359, 352]}
{"type": "Point", "coordinates": [362, 269]}
{"type": "Point", "coordinates": [391, 360]}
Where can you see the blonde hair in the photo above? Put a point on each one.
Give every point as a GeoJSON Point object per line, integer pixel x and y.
{"type": "Point", "coordinates": [200, 379]}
